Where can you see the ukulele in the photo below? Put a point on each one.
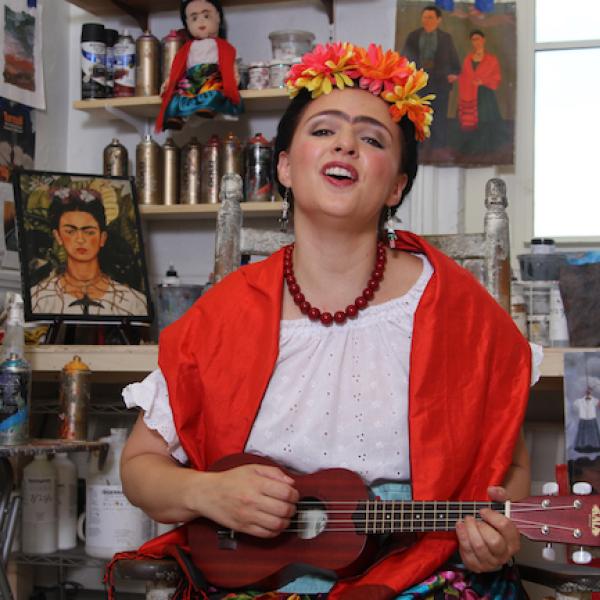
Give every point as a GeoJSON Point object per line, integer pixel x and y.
{"type": "Point", "coordinates": [333, 532]}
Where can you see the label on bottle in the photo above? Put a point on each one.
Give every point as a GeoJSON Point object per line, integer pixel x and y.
{"type": "Point", "coordinates": [14, 410]}
{"type": "Point", "coordinates": [124, 68]}
{"type": "Point", "coordinates": [39, 502]}
{"type": "Point", "coordinates": [112, 522]}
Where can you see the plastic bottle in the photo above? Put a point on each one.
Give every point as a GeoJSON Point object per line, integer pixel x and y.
{"type": "Point", "coordinates": [113, 524]}
{"type": "Point", "coordinates": [171, 277]}
{"type": "Point", "coordinates": [66, 494]}
{"type": "Point", "coordinates": [39, 531]}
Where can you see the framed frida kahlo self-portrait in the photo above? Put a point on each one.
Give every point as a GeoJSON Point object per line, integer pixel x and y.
{"type": "Point", "coordinates": [80, 247]}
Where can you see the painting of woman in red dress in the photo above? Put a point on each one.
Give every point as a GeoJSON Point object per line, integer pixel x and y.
{"type": "Point", "coordinates": [479, 116]}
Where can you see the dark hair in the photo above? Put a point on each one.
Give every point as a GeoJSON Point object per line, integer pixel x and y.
{"type": "Point", "coordinates": [476, 32]}
{"type": "Point", "coordinates": [289, 122]}
{"type": "Point", "coordinates": [76, 200]}
{"type": "Point", "coordinates": [433, 8]}
{"type": "Point", "coordinates": [217, 5]}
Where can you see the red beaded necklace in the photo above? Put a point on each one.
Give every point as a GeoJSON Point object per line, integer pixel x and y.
{"type": "Point", "coordinates": [340, 316]}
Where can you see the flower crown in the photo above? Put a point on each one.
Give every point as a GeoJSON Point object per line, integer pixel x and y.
{"type": "Point", "coordinates": [384, 74]}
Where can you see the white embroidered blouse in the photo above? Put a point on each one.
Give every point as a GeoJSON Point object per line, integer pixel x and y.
{"type": "Point", "coordinates": [338, 396]}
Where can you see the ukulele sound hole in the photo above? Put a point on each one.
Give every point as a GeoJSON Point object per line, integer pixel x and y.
{"type": "Point", "coordinates": [310, 520]}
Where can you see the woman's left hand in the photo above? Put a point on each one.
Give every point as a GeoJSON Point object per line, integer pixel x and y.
{"type": "Point", "coordinates": [488, 544]}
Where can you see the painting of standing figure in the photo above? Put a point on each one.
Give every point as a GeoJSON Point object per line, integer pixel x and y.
{"type": "Point", "coordinates": [80, 248]}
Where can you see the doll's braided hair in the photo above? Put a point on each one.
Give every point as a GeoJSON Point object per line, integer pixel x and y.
{"type": "Point", "coordinates": [217, 5]}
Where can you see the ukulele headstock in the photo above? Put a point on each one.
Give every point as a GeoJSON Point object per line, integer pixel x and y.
{"type": "Point", "coordinates": [564, 519]}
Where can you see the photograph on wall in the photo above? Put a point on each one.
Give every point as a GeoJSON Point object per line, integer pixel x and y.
{"type": "Point", "coordinates": [9, 255]}
{"type": "Point", "coordinates": [80, 247]}
{"type": "Point", "coordinates": [469, 51]}
{"type": "Point", "coordinates": [21, 52]}
{"type": "Point", "coordinates": [17, 138]}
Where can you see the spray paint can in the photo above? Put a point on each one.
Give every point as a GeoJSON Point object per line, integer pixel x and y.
{"type": "Point", "coordinates": [259, 170]}
{"type": "Point", "coordinates": [111, 37]}
{"type": "Point", "coordinates": [74, 399]}
{"type": "Point", "coordinates": [231, 156]}
{"type": "Point", "coordinates": [191, 156]}
{"type": "Point", "coordinates": [209, 172]}
{"type": "Point", "coordinates": [93, 61]}
{"type": "Point", "coordinates": [170, 44]}
{"type": "Point", "coordinates": [147, 171]}
{"type": "Point", "coordinates": [115, 160]}
{"type": "Point", "coordinates": [170, 172]}
{"type": "Point", "coordinates": [15, 400]}
{"type": "Point", "coordinates": [124, 65]}
{"type": "Point", "coordinates": [147, 68]}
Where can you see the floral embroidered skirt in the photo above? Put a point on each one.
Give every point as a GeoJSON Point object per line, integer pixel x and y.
{"type": "Point", "coordinates": [201, 91]}
{"type": "Point", "coordinates": [504, 584]}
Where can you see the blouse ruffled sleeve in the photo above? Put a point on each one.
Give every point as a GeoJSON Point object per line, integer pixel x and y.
{"type": "Point", "coordinates": [152, 396]}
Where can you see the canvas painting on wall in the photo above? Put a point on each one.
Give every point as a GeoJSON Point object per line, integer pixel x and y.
{"type": "Point", "coordinates": [81, 249]}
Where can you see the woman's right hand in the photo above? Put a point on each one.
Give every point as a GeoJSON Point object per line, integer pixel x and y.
{"type": "Point", "coordinates": [255, 499]}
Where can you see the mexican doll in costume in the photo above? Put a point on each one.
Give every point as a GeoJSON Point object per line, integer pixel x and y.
{"type": "Point", "coordinates": [203, 76]}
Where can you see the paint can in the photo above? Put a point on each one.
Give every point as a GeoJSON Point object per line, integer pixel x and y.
{"type": "Point", "coordinates": [170, 45]}
{"type": "Point", "coordinates": [124, 65]}
{"type": "Point", "coordinates": [15, 400]}
{"type": "Point", "coordinates": [115, 160]}
{"type": "Point", "coordinates": [147, 171]}
{"type": "Point", "coordinates": [74, 399]}
{"type": "Point", "coordinates": [259, 170]}
{"type": "Point", "coordinates": [191, 156]}
{"type": "Point", "coordinates": [93, 61]}
{"type": "Point", "coordinates": [147, 68]}
{"type": "Point", "coordinates": [170, 172]}
{"type": "Point", "coordinates": [209, 171]}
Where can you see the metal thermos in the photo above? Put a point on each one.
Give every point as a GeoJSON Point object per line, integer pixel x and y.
{"type": "Point", "coordinates": [124, 65]}
{"type": "Point", "coordinates": [191, 156]}
{"type": "Point", "coordinates": [147, 69]}
{"type": "Point", "coordinates": [74, 399]}
{"type": "Point", "coordinates": [147, 171]}
{"type": "Point", "coordinates": [93, 61]}
{"type": "Point", "coordinates": [15, 400]}
{"type": "Point", "coordinates": [231, 156]}
{"type": "Point", "coordinates": [170, 44]}
{"type": "Point", "coordinates": [170, 172]}
{"type": "Point", "coordinates": [115, 160]}
{"type": "Point", "coordinates": [209, 171]}
{"type": "Point", "coordinates": [259, 170]}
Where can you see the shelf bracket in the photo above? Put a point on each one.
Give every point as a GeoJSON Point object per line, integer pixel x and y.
{"type": "Point", "coordinates": [140, 16]}
{"type": "Point", "coordinates": [141, 125]}
{"type": "Point", "coordinates": [328, 9]}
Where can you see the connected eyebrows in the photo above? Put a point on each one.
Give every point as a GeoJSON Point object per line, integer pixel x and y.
{"type": "Point", "coordinates": [349, 119]}
{"type": "Point", "coordinates": [72, 228]}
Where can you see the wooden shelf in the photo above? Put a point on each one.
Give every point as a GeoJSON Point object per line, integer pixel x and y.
{"type": "Point", "coordinates": [143, 359]}
{"type": "Point", "coordinates": [206, 211]}
{"type": "Point", "coordinates": [140, 9]}
{"type": "Point", "coordinates": [147, 107]}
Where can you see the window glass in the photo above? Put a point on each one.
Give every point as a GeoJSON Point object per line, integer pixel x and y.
{"type": "Point", "coordinates": [567, 134]}
{"type": "Point", "coordinates": [560, 21]}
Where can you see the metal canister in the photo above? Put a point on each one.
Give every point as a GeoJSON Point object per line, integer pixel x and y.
{"type": "Point", "coordinates": [209, 171]}
{"type": "Point", "coordinates": [74, 399]}
{"type": "Point", "coordinates": [147, 67]}
{"type": "Point", "coordinates": [259, 170]}
{"type": "Point", "coordinates": [170, 44]}
{"type": "Point", "coordinates": [147, 171]}
{"type": "Point", "coordinates": [124, 65]}
{"type": "Point", "coordinates": [115, 160]}
{"type": "Point", "coordinates": [170, 172]}
{"type": "Point", "coordinates": [15, 400]}
{"type": "Point", "coordinates": [191, 156]}
{"type": "Point", "coordinates": [231, 156]}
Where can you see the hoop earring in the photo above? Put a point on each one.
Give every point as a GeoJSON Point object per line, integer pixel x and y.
{"type": "Point", "coordinates": [285, 210]}
{"type": "Point", "coordinates": [392, 224]}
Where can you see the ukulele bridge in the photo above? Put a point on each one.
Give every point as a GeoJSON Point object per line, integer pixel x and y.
{"type": "Point", "coordinates": [226, 539]}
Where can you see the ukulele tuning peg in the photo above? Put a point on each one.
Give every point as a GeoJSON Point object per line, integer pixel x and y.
{"type": "Point", "coordinates": [582, 488]}
{"type": "Point", "coordinates": [581, 557]}
{"type": "Point", "coordinates": [549, 553]}
{"type": "Point", "coordinates": [550, 488]}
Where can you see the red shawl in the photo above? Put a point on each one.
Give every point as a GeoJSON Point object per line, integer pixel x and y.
{"type": "Point", "coordinates": [488, 72]}
{"type": "Point", "coordinates": [226, 54]}
{"type": "Point", "coordinates": [468, 390]}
